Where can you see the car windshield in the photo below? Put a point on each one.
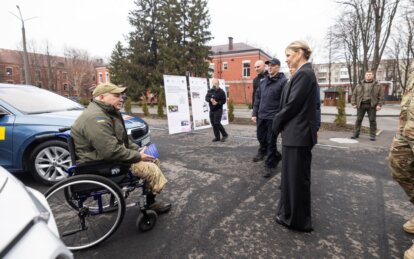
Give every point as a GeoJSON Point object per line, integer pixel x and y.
{"type": "Point", "coordinates": [32, 100]}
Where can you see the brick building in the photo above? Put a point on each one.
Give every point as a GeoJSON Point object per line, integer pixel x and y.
{"type": "Point", "coordinates": [66, 77]}
{"type": "Point", "coordinates": [234, 62]}
{"type": "Point", "coordinates": [102, 74]}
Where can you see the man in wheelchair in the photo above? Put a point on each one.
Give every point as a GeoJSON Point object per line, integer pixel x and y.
{"type": "Point", "coordinates": [99, 134]}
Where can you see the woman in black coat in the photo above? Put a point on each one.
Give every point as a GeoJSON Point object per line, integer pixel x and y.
{"type": "Point", "coordinates": [297, 123]}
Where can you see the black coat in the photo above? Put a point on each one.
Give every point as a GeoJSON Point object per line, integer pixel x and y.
{"type": "Point", "coordinates": [296, 119]}
{"type": "Point", "coordinates": [267, 99]}
{"type": "Point", "coordinates": [256, 83]}
{"type": "Point", "coordinates": [217, 94]}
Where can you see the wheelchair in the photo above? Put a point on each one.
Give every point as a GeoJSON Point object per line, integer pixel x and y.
{"type": "Point", "coordinates": [90, 204]}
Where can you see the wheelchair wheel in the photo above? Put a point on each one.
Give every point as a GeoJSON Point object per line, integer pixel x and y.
{"type": "Point", "coordinates": [146, 222]}
{"type": "Point", "coordinates": [87, 209]}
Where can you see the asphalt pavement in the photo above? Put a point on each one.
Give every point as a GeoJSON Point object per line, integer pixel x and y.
{"type": "Point", "coordinates": [224, 208]}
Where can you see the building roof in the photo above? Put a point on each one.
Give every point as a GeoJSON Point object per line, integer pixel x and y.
{"type": "Point", "coordinates": [236, 48]}
{"type": "Point", "coordinates": [8, 56]}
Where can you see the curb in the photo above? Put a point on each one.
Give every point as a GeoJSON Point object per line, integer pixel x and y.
{"type": "Point", "coordinates": [378, 115]}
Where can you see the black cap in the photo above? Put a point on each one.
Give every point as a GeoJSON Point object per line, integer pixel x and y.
{"type": "Point", "coordinates": [273, 61]}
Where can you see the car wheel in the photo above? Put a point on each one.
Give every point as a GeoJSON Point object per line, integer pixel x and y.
{"type": "Point", "coordinates": [50, 161]}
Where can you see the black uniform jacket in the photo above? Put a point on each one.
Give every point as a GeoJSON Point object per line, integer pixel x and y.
{"type": "Point", "coordinates": [217, 94]}
{"type": "Point", "coordinates": [296, 119]}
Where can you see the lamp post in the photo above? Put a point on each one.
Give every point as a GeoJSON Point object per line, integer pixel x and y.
{"type": "Point", "coordinates": [27, 76]}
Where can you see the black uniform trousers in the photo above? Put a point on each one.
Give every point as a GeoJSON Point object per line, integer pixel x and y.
{"type": "Point", "coordinates": [267, 140]}
{"type": "Point", "coordinates": [294, 209]}
{"type": "Point", "coordinates": [215, 119]}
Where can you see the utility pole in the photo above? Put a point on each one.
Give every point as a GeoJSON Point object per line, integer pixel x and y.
{"type": "Point", "coordinates": [27, 77]}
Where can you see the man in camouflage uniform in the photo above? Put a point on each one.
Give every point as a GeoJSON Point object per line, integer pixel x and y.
{"type": "Point", "coordinates": [401, 157]}
{"type": "Point", "coordinates": [99, 135]}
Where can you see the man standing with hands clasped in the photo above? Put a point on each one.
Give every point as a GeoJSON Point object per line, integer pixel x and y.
{"type": "Point", "coordinates": [367, 97]}
{"type": "Point", "coordinates": [266, 106]}
{"type": "Point", "coordinates": [216, 97]}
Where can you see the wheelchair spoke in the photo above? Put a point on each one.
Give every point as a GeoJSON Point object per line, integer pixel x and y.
{"type": "Point", "coordinates": [87, 209]}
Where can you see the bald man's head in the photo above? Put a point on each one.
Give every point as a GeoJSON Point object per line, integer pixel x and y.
{"type": "Point", "coordinates": [259, 67]}
{"type": "Point", "coordinates": [216, 83]}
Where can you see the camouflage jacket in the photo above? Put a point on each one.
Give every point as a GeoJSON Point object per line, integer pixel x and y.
{"type": "Point", "coordinates": [99, 134]}
{"type": "Point", "coordinates": [406, 125]}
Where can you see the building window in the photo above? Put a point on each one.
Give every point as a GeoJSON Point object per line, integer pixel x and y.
{"type": "Point", "coordinates": [37, 75]}
{"type": "Point", "coordinates": [225, 66]}
{"type": "Point", "coordinates": [65, 87]}
{"type": "Point", "coordinates": [246, 68]}
{"type": "Point", "coordinates": [107, 77]}
{"type": "Point", "coordinates": [39, 84]}
{"type": "Point", "coordinates": [10, 82]}
{"type": "Point", "coordinates": [100, 78]}
{"type": "Point", "coordinates": [65, 76]}
{"type": "Point", "coordinates": [9, 71]}
{"type": "Point", "coordinates": [323, 69]}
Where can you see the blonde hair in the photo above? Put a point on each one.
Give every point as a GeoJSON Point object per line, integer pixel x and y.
{"type": "Point", "coordinates": [298, 45]}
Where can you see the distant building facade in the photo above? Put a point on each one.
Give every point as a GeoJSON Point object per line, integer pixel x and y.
{"type": "Point", "coordinates": [234, 62]}
{"type": "Point", "coordinates": [61, 75]}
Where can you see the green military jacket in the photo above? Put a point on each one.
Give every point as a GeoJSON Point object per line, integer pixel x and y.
{"type": "Point", "coordinates": [377, 95]}
{"type": "Point", "coordinates": [406, 125]}
{"type": "Point", "coordinates": [99, 134]}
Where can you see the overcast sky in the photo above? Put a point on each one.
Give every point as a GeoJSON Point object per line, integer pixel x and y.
{"type": "Point", "coordinates": [96, 25]}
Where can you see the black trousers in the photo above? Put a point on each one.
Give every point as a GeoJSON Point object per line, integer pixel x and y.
{"type": "Point", "coordinates": [215, 119]}
{"type": "Point", "coordinates": [267, 140]}
{"type": "Point", "coordinates": [372, 115]}
{"type": "Point", "coordinates": [294, 208]}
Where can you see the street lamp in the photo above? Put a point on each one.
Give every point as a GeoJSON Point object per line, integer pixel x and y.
{"type": "Point", "coordinates": [27, 76]}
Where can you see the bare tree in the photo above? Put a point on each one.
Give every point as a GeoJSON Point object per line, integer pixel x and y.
{"type": "Point", "coordinates": [347, 37]}
{"type": "Point", "coordinates": [80, 70]}
{"type": "Point", "coordinates": [401, 48]}
{"type": "Point", "coordinates": [374, 19]}
{"type": "Point", "coordinates": [51, 62]}
{"type": "Point", "coordinates": [332, 47]}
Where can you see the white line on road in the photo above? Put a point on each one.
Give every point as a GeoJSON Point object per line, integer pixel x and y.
{"type": "Point", "coordinates": [321, 145]}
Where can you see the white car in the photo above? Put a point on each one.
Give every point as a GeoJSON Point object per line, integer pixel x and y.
{"type": "Point", "coordinates": [27, 226]}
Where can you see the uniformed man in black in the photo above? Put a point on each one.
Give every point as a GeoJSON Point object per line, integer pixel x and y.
{"type": "Point", "coordinates": [216, 97]}
{"type": "Point", "coordinates": [266, 106]}
{"type": "Point", "coordinates": [261, 71]}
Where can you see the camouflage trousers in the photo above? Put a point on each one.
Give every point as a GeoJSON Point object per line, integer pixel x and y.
{"type": "Point", "coordinates": [401, 163]}
{"type": "Point", "coordinates": [151, 172]}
